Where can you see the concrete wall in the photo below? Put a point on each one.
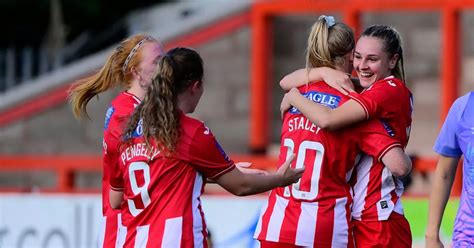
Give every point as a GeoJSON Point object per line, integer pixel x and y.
{"type": "Point", "coordinates": [225, 104]}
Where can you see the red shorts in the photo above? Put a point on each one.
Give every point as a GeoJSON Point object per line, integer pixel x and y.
{"type": "Point", "coordinates": [394, 232]}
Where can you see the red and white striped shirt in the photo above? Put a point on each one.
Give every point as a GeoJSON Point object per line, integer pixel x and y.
{"type": "Point", "coordinates": [116, 118]}
{"type": "Point", "coordinates": [162, 206]}
{"type": "Point", "coordinates": [376, 191]}
{"type": "Point", "coordinates": [315, 212]}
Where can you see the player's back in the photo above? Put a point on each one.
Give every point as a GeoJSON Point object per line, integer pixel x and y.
{"type": "Point", "coordinates": [162, 189]}
{"type": "Point", "coordinates": [319, 204]}
{"type": "Point", "coordinates": [319, 150]}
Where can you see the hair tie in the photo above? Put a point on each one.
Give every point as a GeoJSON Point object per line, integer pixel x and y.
{"type": "Point", "coordinates": [330, 21]}
{"type": "Point", "coordinates": [133, 51]}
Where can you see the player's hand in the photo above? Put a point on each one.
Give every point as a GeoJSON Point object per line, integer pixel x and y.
{"type": "Point", "coordinates": [288, 174]}
{"type": "Point", "coordinates": [244, 168]}
{"type": "Point", "coordinates": [338, 80]}
{"type": "Point", "coordinates": [285, 102]}
{"type": "Point", "coordinates": [433, 242]}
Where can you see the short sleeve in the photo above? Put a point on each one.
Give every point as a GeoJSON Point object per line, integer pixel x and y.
{"type": "Point", "coordinates": [207, 156]}
{"type": "Point", "coordinates": [112, 142]}
{"type": "Point", "coordinates": [374, 140]}
{"type": "Point", "coordinates": [446, 144]}
{"type": "Point", "coordinates": [380, 98]}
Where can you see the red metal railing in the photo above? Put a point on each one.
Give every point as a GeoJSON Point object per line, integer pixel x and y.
{"type": "Point", "coordinates": [65, 168]}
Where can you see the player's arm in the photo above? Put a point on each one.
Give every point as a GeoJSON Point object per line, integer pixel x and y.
{"type": "Point", "coordinates": [208, 157]}
{"type": "Point", "coordinates": [440, 190]}
{"type": "Point", "coordinates": [243, 167]}
{"type": "Point", "coordinates": [374, 140]}
{"type": "Point", "coordinates": [331, 119]}
{"type": "Point", "coordinates": [448, 148]}
{"type": "Point", "coordinates": [336, 79]}
{"type": "Point", "coordinates": [397, 162]}
{"type": "Point", "coordinates": [243, 184]}
{"type": "Point", "coordinates": [115, 198]}
{"type": "Point", "coordinates": [115, 178]}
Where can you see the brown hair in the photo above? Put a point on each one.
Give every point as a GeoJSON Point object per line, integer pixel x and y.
{"type": "Point", "coordinates": [328, 43]}
{"type": "Point", "coordinates": [158, 116]}
{"type": "Point", "coordinates": [392, 45]}
{"type": "Point", "coordinates": [110, 75]}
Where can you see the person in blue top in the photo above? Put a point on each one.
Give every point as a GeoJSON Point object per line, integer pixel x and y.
{"type": "Point", "coordinates": [455, 139]}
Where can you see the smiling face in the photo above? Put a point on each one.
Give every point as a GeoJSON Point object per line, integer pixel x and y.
{"type": "Point", "coordinates": [371, 61]}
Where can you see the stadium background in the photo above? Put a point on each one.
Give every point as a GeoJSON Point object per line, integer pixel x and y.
{"type": "Point", "coordinates": [50, 163]}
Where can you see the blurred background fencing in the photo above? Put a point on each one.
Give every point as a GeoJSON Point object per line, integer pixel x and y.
{"type": "Point", "coordinates": [247, 46]}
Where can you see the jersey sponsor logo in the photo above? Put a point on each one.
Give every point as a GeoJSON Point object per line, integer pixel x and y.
{"type": "Point", "coordinates": [108, 115]}
{"type": "Point", "coordinates": [388, 128]}
{"type": "Point", "coordinates": [328, 100]}
{"type": "Point", "coordinates": [383, 204]}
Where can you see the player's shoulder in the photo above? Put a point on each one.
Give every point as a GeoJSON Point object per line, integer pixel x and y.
{"type": "Point", "coordinates": [192, 126]}
{"type": "Point", "coordinates": [389, 88]}
{"type": "Point", "coordinates": [389, 83]}
{"type": "Point", "coordinates": [194, 135]}
{"type": "Point", "coordinates": [125, 102]}
{"type": "Point", "coordinates": [122, 106]}
{"type": "Point", "coordinates": [460, 105]}
{"type": "Point", "coordinates": [120, 109]}
{"type": "Point", "coordinates": [190, 122]}
{"type": "Point", "coordinates": [462, 101]}
{"type": "Point", "coordinates": [319, 85]}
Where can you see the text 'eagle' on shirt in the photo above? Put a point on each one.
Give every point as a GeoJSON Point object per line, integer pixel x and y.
{"type": "Point", "coordinates": [298, 122]}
